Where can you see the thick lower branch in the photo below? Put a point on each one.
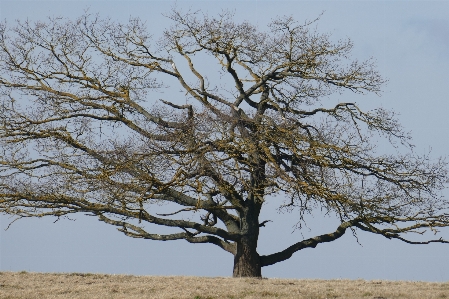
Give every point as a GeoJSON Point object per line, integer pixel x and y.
{"type": "Point", "coordinates": [81, 205]}
{"type": "Point", "coordinates": [137, 232]}
{"type": "Point", "coordinates": [229, 247]}
{"type": "Point", "coordinates": [267, 260]}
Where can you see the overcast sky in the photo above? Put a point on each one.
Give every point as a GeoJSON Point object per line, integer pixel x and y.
{"type": "Point", "coordinates": [410, 42]}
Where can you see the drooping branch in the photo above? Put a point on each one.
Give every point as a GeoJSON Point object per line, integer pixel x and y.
{"type": "Point", "coordinates": [67, 203]}
{"type": "Point", "coordinates": [395, 233]}
{"type": "Point", "coordinates": [137, 232]}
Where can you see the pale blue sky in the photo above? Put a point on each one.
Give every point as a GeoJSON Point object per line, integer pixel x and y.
{"type": "Point", "coordinates": [409, 40]}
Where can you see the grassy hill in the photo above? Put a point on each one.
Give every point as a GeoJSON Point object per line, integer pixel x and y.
{"type": "Point", "coordinates": [78, 285]}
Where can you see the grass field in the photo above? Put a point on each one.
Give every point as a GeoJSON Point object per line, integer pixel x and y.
{"type": "Point", "coordinates": [26, 285]}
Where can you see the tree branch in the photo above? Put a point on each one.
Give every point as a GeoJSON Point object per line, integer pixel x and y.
{"type": "Point", "coordinates": [267, 260]}
{"type": "Point", "coordinates": [134, 231]}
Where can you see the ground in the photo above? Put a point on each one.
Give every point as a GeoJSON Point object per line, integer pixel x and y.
{"type": "Point", "coordinates": [21, 285]}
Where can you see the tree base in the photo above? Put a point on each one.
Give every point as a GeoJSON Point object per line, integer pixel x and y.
{"type": "Point", "coordinates": [247, 263]}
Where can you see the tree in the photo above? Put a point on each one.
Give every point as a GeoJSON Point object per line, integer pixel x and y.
{"type": "Point", "coordinates": [83, 129]}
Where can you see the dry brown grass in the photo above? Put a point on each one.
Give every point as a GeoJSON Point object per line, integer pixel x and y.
{"type": "Point", "coordinates": [77, 285]}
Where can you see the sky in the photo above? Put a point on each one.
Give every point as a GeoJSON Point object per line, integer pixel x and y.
{"type": "Point", "coordinates": [410, 42]}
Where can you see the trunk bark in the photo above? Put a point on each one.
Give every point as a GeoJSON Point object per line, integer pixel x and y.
{"type": "Point", "coordinates": [247, 260]}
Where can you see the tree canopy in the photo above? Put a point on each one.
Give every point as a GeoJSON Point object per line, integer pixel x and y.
{"type": "Point", "coordinates": [84, 128]}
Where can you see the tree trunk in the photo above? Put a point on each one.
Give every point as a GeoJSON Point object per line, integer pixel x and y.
{"type": "Point", "coordinates": [247, 260]}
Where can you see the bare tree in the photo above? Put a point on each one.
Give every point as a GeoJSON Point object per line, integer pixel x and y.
{"type": "Point", "coordinates": [83, 129]}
